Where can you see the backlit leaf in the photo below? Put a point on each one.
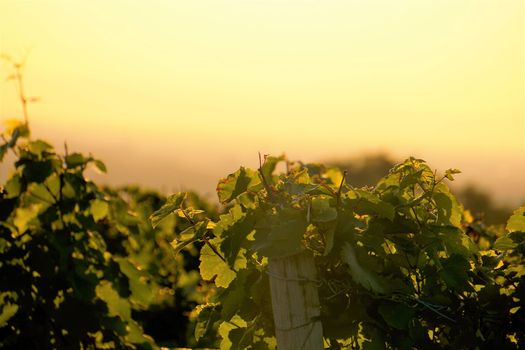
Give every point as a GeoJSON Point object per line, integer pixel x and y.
{"type": "Point", "coordinates": [450, 211]}
{"type": "Point", "coordinates": [99, 209]}
{"type": "Point", "coordinates": [8, 311]}
{"type": "Point", "coordinates": [75, 159]}
{"type": "Point", "coordinates": [117, 305]}
{"type": "Point", "coordinates": [369, 203]}
{"type": "Point", "coordinates": [206, 318]}
{"type": "Point", "coordinates": [449, 174]}
{"type": "Point", "coordinates": [212, 267]}
{"type": "Point", "coordinates": [504, 243]}
{"type": "Point", "coordinates": [269, 166]}
{"type": "Point", "coordinates": [100, 165]}
{"type": "Point", "coordinates": [38, 147]}
{"type": "Point", "coordinates": [237, 183]}
{"type": "Point", "coordinates": [25, 216]}
{"type": "Point", "coordinates": [173, 203]}
{"type": "Point", "coordinates": [517, 220]}
{"type": "Point", "coordinates": [322, 211]}
{"type": "Point", "coordinates": [282, 235]}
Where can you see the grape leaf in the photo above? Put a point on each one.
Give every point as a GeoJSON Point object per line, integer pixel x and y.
{"type": "Point", "coordinates": [517, 220]}
{"type": "Point", "coordinates": [100, 165]}
{"type": "Point", "coordinates": [361, 276]}
{"type": "Point", "coordinates": [395, 314]}
{"type": "Point", "coordinates": [8, 311]}
{"type": "Point", "coordinates": [282, 234]}
{"type": "Point", "coordinates": [75, 159]}
{"type": "Point", "coordinates": [206, 318]}
{"type": "Point", "coordinates": [322, 211]}
{"type": "Point", "coordinates": [369, 203]}
{"type": "Point", "coordinates": [173, 203]}
{"type": "Point", "coordinates": [504, 243]}
{"type": "Point", "coordinates": [237, 183]}
{"type": "Point", "coordinates": [213, 267]}
{"type": "Point", "coordinates": [455, 272]}
{"type": "Point", "coordinates": [450, 211]}
{"type": "Point", "coordinates": [99, 209]}
{"type": "Point", "coordinates": [269, 166]}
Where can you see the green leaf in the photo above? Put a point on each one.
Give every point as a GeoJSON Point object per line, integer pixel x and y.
{"type": "Point", "coordinates": [455, 272]}
{"type": "Point", "coordinates": [449, 173]}
{"type": "Point", "coordinates": [73, 185]}
{"type": "Point", "coordinates": [234, 296]}
{"type": "Point", "coordinates": [212, 267]}
{"type": "Point", "coordinates": [141, 291]}
{"type": "Point", "coordinates": [117, 305]}
{"type": "Point", "coordinates": [207, 316]}
{"type": "Point", "coordinates": [39, 147]}
{"type": "Point", "coordinates": [38, 171]}
{"type": "Point", "coordinates": [75, 159]}
{"type": "Point", "coordinates": [450, 212]}
{"type": "Point", "coordinates": [281, 234]}
{"type": "Point", "coordinates": [299, 183]}
{"type": "Point", "coordinates": [226, 327]}
{"type": "Point", "coordinates": [360, 275]}
{"type": "Point", "coordinates": [24, 217]}
{"type": "Point", "coordinates": [234, 227]}
{"type": "Point", "coordinates": [190, 235]}
{"type": "Point", "coordinates": [411, 178]}
{"type": "Point", "coordinates": [8, 311]}
{"type": "Point", "coordinates": [517, 220]}
{"type": "Point", "coordinates": [238, 183]}
{"type": "Point", "coordinates": [173, 203]}
{"type": "Point", "coordinates": [241, 338]}
{"type": "Point", "coordinates": [329, 241]}
{"type": "Point", "coordinates": [100, 165]}
{"type": "Point", "coordinates": [136, 335]}
{"type": "Point", "coordinates": [368, 203]}
{"type": "Point", "coordinates": [99, 209]}
{"type": "Point", "coordinates": [397, 315]}
{"type": "Point", "coordinates": [321, 209]}
{"type": "Point", "coordinates": [334, 175]}
{"type": "Point", "coordinates": [13, 186]}
{"type": "Point", "coordinates": [41, 194]}
{"type": "Point", "coordinates": [15, 128]}
{"type": "Point", "coordinates": [269, 166]}
{"type": "Point", "coordinates": [504, 243]}
{"type": "Point", "coordinates": [453, 238]}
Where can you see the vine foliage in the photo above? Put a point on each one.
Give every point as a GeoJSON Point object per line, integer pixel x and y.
{"type": "Point", "coordinates": [401, 265]}
{"type": "Point", "coordinates": [81, 266]}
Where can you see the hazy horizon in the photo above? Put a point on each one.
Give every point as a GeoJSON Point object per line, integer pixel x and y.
{"type": "Point", "coordinates": [147, 165]}
{"type": "Point", "coordinates": [175, 95]}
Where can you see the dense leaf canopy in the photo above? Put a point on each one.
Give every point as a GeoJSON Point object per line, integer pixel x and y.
{"type": "Point", "coordinates": [81, 267]}
{"type": "Point", "coordinates": [401, 265]}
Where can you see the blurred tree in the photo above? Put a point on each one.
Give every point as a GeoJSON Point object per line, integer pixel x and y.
{"type": "Point", "coordinates": [366, 170]}
{"type": "Point", "coordinates": [482, 205]}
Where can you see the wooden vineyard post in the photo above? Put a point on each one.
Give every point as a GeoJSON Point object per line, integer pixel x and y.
{"type": "Point", "coordinates": [295, 302]}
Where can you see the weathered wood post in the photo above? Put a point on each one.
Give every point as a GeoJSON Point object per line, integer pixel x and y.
{"type": "Point", "coordinates": [295, 302]}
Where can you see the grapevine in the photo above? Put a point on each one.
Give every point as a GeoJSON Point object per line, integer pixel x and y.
{"type": "Point", "coordinates": [395, 264]}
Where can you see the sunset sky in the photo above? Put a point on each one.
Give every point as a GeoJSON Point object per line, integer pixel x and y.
{"type": "Point", "coordinates": [175, 94]}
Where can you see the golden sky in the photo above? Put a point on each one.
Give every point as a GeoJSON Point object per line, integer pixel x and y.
{"type": "Point", "coordinates": [178, 93]}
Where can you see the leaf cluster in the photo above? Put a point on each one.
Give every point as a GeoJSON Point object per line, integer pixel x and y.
{"type": "Point", "coordinates": [81, 266]}
{"type": "Point", "coordinates": [397, 264]}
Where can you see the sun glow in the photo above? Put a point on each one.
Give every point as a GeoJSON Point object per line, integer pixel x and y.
{"type": "Point", "coordinates": [206, 84]}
